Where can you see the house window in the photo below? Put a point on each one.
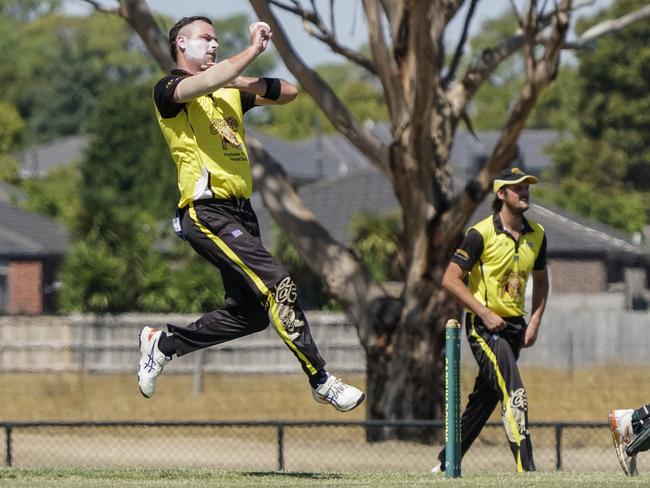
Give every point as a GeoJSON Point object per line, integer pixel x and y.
{"type": "Point", "coordinates": [4, 286]}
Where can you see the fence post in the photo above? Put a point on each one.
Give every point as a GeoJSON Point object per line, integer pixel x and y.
{"type": "Point", "coordinates": [199, 372]}
{"type": "Point", "coordinates": [8, 430]}
{"type": "Point", "coordinates": [452, 397]}
{"type": "Point", "coordinates": [83, 346]}
{"type": "Point", "coordinates": [280, 446]}
{"type": "Point", "coordinates": [558, 447]}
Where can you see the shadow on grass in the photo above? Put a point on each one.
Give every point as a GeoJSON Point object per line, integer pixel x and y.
{"type": "Point", "coordinates": [294, 474]}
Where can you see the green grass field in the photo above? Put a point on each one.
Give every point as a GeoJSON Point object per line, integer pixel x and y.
{"type": "Point", "coordinates": [553, 395]}
{"type": "Point", "coordinates": [89, 478]}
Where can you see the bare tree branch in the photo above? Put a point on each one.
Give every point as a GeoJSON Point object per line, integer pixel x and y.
{"type": "Point", "coordinates": [387, 69]}
{"type": "Point", "coordinates": [462, 91]}
{"type": "Point", "coordinates": [338, 114]}
{"type": "Point", "coordinates": [332, 19]}
{"type": "Point", "coordinates": [324, 34]}
{"type": "Point", "coordinates": [460, 48]}
{"type": "Point", "coordinates": [391, 9]}
{"type": "Point", "coordinates": [607, 27]}
{"type": "Point", "coordinates": [530, 30]}
{"type": "Point", "coordinates": [100, 8]}
{"type": "Point", "coordinates": [139, 17]}
{"type": "Point", "coordinates": [515, 11]}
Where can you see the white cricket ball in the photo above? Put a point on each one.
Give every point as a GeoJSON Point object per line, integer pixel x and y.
{"type": "Point", "coordinates": [263, 24]}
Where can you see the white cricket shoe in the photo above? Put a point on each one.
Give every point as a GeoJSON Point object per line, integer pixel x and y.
{"type": "Point", "coordinates": [152, 360]}
{"type": "Point", "coordinates": [341, 396]}
{"type": "Point", "coordinates": [437, 468]}
{"type": "Point", "coordinates": [620, 425]}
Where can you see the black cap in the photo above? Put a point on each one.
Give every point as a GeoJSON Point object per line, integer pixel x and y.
{"type": "Point", "coordinates": [512, 176]}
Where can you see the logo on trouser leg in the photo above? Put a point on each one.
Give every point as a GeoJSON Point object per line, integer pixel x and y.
{"type": "Point", "coordinates": [518, 407]}
{"type": "Point", "coordinates": [286, 295]}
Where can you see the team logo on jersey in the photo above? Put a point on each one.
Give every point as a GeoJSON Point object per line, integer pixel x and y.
{"type": "Point", "coordinates": [512, 284]}
{"type": "Point", "coordinates": [227, 129]}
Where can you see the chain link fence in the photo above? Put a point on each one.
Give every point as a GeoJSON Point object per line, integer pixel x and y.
{"type": "Point", "coordinates": [290, 446]}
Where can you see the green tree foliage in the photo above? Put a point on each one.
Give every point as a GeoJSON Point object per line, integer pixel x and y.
{"type": "Point", "coordinates": [375, 238]}
{"type": "Point", "coordinates": [11, 130]}
{"type": "Point", "coordinates": [378, 241]}
{"type": "Point", "coordinates": [610, 149]}
{"type": "Point", "coordinates": [127, 155]}
{"type": "Point", "coordinates": [301, 118]}
{"type": "Point", "coordinates": [195, 284]}
{"type": "Point", "coordinates": [55, 68]}
{"type": "Point", "coordinates": [56, 194]}
{"type": "Point", "coordinates": [490, 107]}
{"type": "Point", "coordinates": [555, 108]}
{"type": "Point", "coordinates": [127, 188]}
{"type": "Point", "coordinates": [27, 10]}
{"type": "Point", "coordinates": [311, 290]}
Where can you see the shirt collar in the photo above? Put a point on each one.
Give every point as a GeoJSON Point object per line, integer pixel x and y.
{"type": "Point", "coordinates": [498, 225]}
{"type": "Point", "coordinates": [177, 71]}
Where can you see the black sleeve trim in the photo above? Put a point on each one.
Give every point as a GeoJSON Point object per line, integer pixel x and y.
{"type": "Point", "coordinates": [247, 101]}
{"type": "Point", "coordinates": [470, 250]}
{"type": "Point", "coordinates": [540, 262]}
{"type": "Point", "coordinates": [163, 96]}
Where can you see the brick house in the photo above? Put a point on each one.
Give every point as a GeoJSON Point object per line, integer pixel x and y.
{"type": "Point", "coordinates": [31, 249]}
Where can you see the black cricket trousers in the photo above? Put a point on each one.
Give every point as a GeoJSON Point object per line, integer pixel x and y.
{"type": "Point", "coordinates": [498, 380]}
{"type": "Point", "coordinates": [258, 288]}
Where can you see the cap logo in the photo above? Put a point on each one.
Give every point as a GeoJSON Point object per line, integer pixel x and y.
{"type": "Point", "coordinates": [516, 171]}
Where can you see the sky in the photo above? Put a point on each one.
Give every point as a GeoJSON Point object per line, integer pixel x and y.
{"type": "Point", "coordinates": [351, 26]}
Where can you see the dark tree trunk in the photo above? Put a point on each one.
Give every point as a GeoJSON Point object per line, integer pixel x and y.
{"type": "Point", "coordinates": [405, 367]}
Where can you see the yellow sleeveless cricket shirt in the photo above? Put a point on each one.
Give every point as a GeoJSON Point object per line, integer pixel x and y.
{"type": "Point", "coordinates": [206, 140]}
{"type": "Point", "coordinates": [499, 266]}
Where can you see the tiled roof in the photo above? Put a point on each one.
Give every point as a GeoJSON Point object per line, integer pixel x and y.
{"type": "Point", "coordinates": [10, 193]}
{"type": "Point", "coordinates": [314, 158]}
{"type": "Point", "coordinates": [335, 201]}
{"type": "Point", "coordinates": [467, 150]}
{"type": "Point", "coordinates": [318, 157]}
{"type": "Point", "coordinates": [25, 234]}
{"type": "Point", "coordinates": [43, 158]}
{"type": "Point", "coordinates": [331, 156]}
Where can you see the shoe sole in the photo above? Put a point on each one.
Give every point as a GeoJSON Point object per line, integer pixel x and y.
{"type": "Point", "coordinates": [618, 442]}
{"type": "Point", "coordinates": [140, 349]}
{"type": "Point", "coordinates": [359, 402]}
{"type": "Point", "coordinates": [325, 402]}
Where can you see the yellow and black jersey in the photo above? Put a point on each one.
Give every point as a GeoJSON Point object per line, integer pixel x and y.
{"type": "Point", "coordinates": [499, 266]}
{"type": "Point", "coordinates": [206, 139]}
